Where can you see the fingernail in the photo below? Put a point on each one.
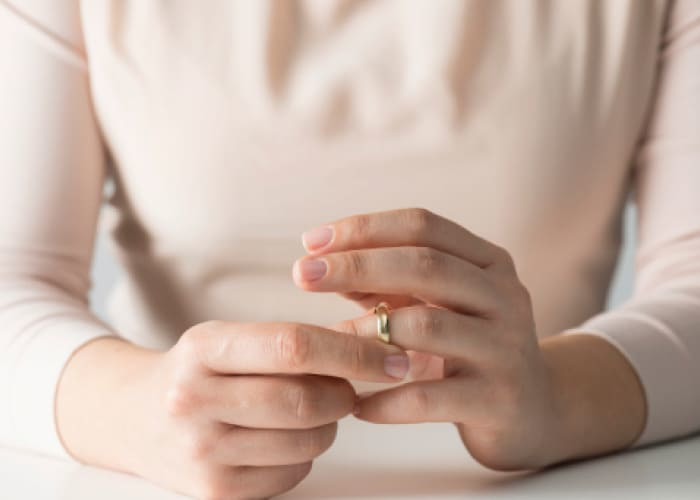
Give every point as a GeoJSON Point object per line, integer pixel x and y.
{"type": "Point", "coordinates": [317, 237]}
{"type": "Point", "coordinates": [312, 269]}
{"type": "Point", "coordinates": [396, 365]}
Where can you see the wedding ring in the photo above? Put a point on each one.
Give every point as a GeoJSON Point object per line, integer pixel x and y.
{"type": "Point", "coordinates": [381, 310]}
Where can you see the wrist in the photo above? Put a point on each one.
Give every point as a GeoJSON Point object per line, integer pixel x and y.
{"type": "Point", "coordinates": [598, 397]}
{"type": "Point", "coordinates": [98, 401]}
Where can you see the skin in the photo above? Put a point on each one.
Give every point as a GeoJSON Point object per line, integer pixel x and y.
{"type": "Point", "coordinates": [233, 410]}
{"type": "Point", "coordinates": [466, 319]}
{"type": "Point", "coordinates": [240, 410]}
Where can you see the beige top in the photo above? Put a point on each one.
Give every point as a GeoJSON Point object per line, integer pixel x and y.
{"type": "Point", "coordinates": [229, 127]}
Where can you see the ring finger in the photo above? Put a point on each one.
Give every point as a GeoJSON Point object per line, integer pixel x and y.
{"type": "Point", "coordinates": [430, 329]}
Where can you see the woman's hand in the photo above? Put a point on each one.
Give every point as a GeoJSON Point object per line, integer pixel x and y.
{"type": "Point", "coordinates": [234, 410]}
{"type": "Point", "coordinates": [456, 296]}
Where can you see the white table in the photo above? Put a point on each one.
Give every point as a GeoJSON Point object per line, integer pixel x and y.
{"type": "Point", "coordinates": [391, 462]}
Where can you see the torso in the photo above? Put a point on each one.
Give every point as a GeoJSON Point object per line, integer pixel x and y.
{"type": "Point", "coordinates": [235, 126]}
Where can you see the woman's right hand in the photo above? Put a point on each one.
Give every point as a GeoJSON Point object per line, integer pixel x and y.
{"type": "Point", "coordinates": [233, 410]}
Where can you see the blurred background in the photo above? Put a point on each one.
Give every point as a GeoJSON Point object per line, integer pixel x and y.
{"type": "Point", "coordinates": [105, 270]}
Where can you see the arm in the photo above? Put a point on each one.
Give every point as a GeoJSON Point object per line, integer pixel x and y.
{"type": "Point", "coordinates": [658, 331]}
{"type": "Point", "coordinates": [51, 173]}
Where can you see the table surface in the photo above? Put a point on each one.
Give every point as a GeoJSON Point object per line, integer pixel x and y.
{"type": "Point", "coordinates": [391, 462]}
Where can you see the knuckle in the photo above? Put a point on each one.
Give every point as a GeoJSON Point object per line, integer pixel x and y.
{"type": "Point", "coordinates": [504, 257]}
{"type": "Point", "coordinates": [429, 262]}
{"type": "Point", "coordinates": [426, 322]}
{"type": "Point", "coordinates": [361, 227]}
{"type": "Point", "coordinates": [355, 264]}
{"type": "Point", "coordinates": [188, 344]}
{"type": "Point", "coordinates": [419, 400]}
{"type": "Point", "coordinates": [182, 398]}
{"type": "Point", "coordinates": [303, 404]}
{"type": "Point", "coordinates": [211, 325]}
{"type": "Point", "coordinates": [348, 326]}
{"type": "Point", "coordinates": [419, 222]}
{"type": "Point", "coordinates": [357, 357]}
{"type": "Point", "coordinates": [195, 333]}
{"type": "Point", "coordinates": [294, 346]}
{"type": "Point", "coordinates": [517, 296]}
{"type": "Point", "coordinates": [523, 294]}
{"type": "Point", "coordinates": [199, 446]}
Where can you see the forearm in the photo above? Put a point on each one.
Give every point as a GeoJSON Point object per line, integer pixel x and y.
{"type": "Point", "coordinates": [600, 398]}
{"type": "Point", "coordinates": [98, 401]}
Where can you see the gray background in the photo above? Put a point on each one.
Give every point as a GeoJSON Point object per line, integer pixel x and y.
{"type": "Point", "coordinates": [105, 271]}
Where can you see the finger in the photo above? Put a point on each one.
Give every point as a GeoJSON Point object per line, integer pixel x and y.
{"type": "Point", "coordinates": [447, 400]}
{"type": "Point", "coordinates": [255, 348]}
{"type": "Point", "coordinates": [255, 482]}
{"type": "Point", "coordinates": [425, 273]}
{"type": "Point", "coordinates": [262, 447]}
{"type": "Point", "coordinates": [273, 402]}
{"type": "Point", "coordinates": [430, 329]}
{"type": "Point", "coordinates": [426, 366]}
{"type": "Point", "coordinates": [404, 227]}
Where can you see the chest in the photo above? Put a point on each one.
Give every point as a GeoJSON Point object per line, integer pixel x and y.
{"type": "Point", "coordinates": [228, 120]}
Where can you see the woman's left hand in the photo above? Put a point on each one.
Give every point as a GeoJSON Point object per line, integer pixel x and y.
{"type": "Point", "coordinates": [456, 296]}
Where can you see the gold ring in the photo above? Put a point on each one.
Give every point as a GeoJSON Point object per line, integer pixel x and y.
{"type": "Point", "coordinates": [381, 310]}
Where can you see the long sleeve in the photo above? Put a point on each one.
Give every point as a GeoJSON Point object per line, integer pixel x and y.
{"type": "Point", "coordinates": [658, 329]}
{"type": "Point", "coordinates": [51, 174]}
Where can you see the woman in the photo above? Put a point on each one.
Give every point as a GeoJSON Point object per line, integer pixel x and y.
{"type": "Point", "coordinates": [465, 162]}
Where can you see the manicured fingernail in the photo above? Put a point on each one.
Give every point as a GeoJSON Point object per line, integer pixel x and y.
{"type": "Point", "coordinates": [396, 365]}
{"type": "Point", "coordinates": [312, 269]}
{"type": "Point", "coordinates": [317, 237]}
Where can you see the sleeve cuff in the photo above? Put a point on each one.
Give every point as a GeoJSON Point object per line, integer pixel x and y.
{"type": "Point", "coordinates": [664, 365]}
{"type": "Point", "coordinates": [34, 380]}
